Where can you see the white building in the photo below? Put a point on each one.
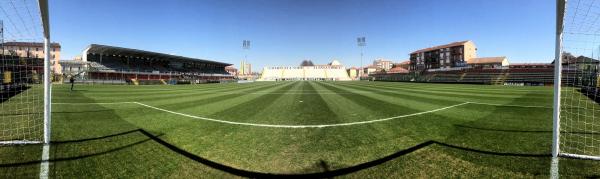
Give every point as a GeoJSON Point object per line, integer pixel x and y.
{"type": "Point", "coordinates": [333, 71]}
{"type": "Point", "coordinates": [383, 64]}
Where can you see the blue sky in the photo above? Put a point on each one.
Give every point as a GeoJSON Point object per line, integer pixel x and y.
{"type": "Point", "coordinates": [284, 32]}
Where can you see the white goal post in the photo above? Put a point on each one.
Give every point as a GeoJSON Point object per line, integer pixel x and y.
{"type": "Point", "coordinates": [25, 72]}
{"type": "Point", "coordinates": [47, 83]}
{"type": "Point", "coordinates": [576, 113]}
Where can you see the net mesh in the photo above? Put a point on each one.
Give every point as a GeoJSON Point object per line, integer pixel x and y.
{"type": "Point", "coordinates": [580, 116]}
{"type": "Point", "coordinates": [21, 72]}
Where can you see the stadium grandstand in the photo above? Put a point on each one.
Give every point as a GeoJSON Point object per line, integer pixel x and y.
{"type": "Point", "coordinates": [497, 71]}
{"type": "Point", "coordinates": [457, 62]}
{"type": "Point", "coordinates": [488, 62]}
{"type": "Point", "coordinates": [110, 64]}
{"type": "Point", "coordinates": [333, 71]}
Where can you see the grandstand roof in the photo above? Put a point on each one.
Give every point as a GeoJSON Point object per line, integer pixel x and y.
{"type": "Point", "coordinates": [72, 62]}
{"type": "Point", "coordinates": [531, 64]}
{"type": "Point", "coordinates": [441, 46]}
{"type": "Point", "coordinates": [30, 44]}
{"type": "Point", "coordinates": [121, 51]}
{"type": "Point", "coordinates": [486, 60]}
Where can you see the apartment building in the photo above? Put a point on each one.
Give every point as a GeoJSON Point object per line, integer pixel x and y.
{"type": "Point", "coordinates": [450, 55]}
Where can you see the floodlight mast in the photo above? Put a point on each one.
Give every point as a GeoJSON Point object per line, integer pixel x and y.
{"type": "Point", "coordinates": [560, 11]}
{"type": "Point", "coordinates": [361, 42]}
{"type": "Point", "coordinates": [246, 46]}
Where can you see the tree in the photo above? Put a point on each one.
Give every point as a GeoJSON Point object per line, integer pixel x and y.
{"type": "Point", "coordinates": [307, 63]}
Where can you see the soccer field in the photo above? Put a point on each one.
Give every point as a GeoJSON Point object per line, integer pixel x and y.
{"type": "Point", "coordinates": [302, 129]}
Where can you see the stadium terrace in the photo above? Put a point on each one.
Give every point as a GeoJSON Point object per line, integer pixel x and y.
{"type": "Point", "coordinates": [126, 65]}
{"type": "Point", "coordinates": [333, 71]}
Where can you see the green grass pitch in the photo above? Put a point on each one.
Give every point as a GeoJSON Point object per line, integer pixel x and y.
{"type": "Point", "coordinates": [244, 130]}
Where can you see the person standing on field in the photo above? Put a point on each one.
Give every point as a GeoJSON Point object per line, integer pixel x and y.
{"type": "Point", "coordinates": [72, 81]}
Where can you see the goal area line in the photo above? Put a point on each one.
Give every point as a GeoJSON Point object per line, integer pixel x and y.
{"type": "Point", "coordinates": [579, 156]}
{"type": "Point", "coordinates": [19, 142]}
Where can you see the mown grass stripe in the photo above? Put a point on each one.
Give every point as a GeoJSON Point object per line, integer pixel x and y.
{"type": "Point", "coordinates": [406, 100]}
{"type": "Point", "coordinates": [434, 93]}
{"type": "Point", "coordinates": [248, 109]}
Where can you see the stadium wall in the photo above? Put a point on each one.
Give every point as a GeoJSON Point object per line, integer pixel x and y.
{"type": "Point", "coordinates": [477, 76]}
{"type": "Point", "coordinates": [317, 72]}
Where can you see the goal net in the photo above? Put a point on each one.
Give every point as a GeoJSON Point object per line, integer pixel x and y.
{"type": "Point", "coordinates": [21, 72]}
{"type": "Point", "coordinates": [580, 88]}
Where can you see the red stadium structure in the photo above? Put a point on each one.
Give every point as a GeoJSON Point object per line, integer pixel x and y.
{"type": "Point", "coordinates": [516, 74]}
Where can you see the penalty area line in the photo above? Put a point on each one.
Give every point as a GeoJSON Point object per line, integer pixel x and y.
{"type": "Point", "coordinates": [300, 126]}
{"type": "Point", "coordinates": [304, 126]}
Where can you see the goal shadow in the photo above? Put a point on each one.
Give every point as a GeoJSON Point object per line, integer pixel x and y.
{"type": "Point", "coordinates": [9, 92]}
{"type": "Point", "coordinates": [328, 173]}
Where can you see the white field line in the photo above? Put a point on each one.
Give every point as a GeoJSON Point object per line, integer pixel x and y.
{"type": "Point", "coordinates": [509, 105]}
{"type": "Point", "coordinates": [19, 142]}
{"type": "Point", "coordinates": [44, 166]}
{"type": "Point", "coordinates": [579, 156]}
{"type": "Point", "coordinates": [300, 126]}
{"type": "Point", "coordinates": [275, 125]}
{"type": "Point", "coordinates": [95, 103]}
{"type": "Point", "coordinates": [304, 126]}
{"type": "Point", "coordinates": [554, 168]}
{"type": "Point", "coordinates": [361, 92]}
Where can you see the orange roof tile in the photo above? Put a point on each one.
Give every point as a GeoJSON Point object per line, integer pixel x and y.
{"type": "Point", "coordinates": [397, 70]}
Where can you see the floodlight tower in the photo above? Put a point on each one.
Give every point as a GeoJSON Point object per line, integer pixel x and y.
{"type": "Point", "coordinates": [361, 42]}
{"type": "Point", "coordinates": [246, 47]}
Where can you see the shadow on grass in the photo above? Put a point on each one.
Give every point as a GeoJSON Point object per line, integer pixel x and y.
{"type": "Point", "coordinates": [327, 173]}
{"type": "Point", "coordinates": [88, 155]}
{"type": "Point", "coordinates": [590, 92]}
{"type": "Point", "coordinates": [10, 92]}
{"type": "Point", "coordinates": [254, 174]}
